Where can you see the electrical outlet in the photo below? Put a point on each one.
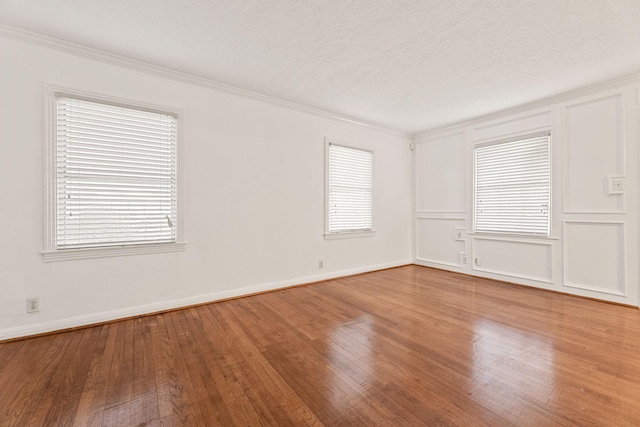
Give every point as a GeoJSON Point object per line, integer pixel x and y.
{"type": "Point", "coordinates": [477, 261]}
{"type": "Point", "coordinates": [463, 258]}
{"type": "Point", "coordinates": [33, 305]}
{"type": "Point", "coordinates": [320, 264]}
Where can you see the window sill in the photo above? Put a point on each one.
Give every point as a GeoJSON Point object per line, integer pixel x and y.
{"type": "Point", "coordinates": [112, 251]}
{"type": "Point", "coordinates": [513, 236]}
{"type": "Point", "coordinates": [349, 235]}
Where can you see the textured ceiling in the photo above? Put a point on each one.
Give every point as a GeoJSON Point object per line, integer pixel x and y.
{"type": "Point", "coordinates": [409, 65]}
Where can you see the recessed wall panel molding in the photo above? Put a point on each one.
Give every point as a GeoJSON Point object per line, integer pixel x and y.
{"type": "Point", "coordinates": [513, 127]}
{"type": "Point", "coordinates": [594, 153]}
{"type": "Point", "coordinates": [441, 215]}
{"type": "Point", "coordinates": [436, 241]}
{"type": "Point", "coordinates": [594, 254]}
{"type": "Point", "coordinates": [514, 258]}
{"type": "Point", "coordinates": [440, 174]}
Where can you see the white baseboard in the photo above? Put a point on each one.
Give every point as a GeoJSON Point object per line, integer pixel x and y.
{"type": "Point", "coordinates": [107, 316]}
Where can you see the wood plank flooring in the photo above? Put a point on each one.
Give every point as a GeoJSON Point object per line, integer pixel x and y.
{"type": "Point", "coordinates": [408, 346]}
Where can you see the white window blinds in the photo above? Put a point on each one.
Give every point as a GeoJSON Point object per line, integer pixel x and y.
{"type": "Point", "coordinates": [350, 189]}
{"type": "Point", "coordinates": [115, 175]}
{"type": "Point", "coordinates": [513, 187]}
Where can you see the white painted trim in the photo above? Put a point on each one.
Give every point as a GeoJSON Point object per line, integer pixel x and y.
{"type": "Point", "coordinates": [517, 276]}
{"type": "Point", "coordinates": [620, 97]}
{"type": "Point", "coordinates": [114, 251]}
{"type": "Point", "coordinates": [541, 103]}
{"type": "Point", "coordinates": [414, 201]}
{"type": "Point", "coordinates": [520, 238]}
{"type": "Point", "coordinates": [416, 189]}
{"type": "Point", "coordinates": [621, 151]}
{"type": "Point", "coordinates": [469, 192]}
{"type": "Point", "coordinates": [441, 213]}
{"type": "Point", "coordinates": [621, 248]}
{"type": "Point", "coordinates": [50, 253]}
{"type": "Point", "coordinates": [107, 316]}
{"type": "Point", "coordinates": [455, 218]}
{"type": "Point", "coordinates": [419, 141]}
{"type": "Point", "coordinates": [49, 220]}
{"type": "Point", "coordinates": [349, 235]}
{"type": "Point", "coordinates": [584, 212]}
{"type": "Point", "coordinates": [513, 136]}
{"type": "Point", "coordinates": [121, 61]}
{"type": "Point", "coordinates": [133, 64]}
{"type": "Point", "coordinates": [611, 185]}
{"type": "Point", "coordinates": [637, 168]}
{"type": "Point", "coordinates": [521, 132]}
{"type": "Point", "coordinates": [513, 240]}
{"type": "Point", "coordinates": [594, 289]}
{"type": "Point", "coordinates": [464, 258]}
{"type": "Point", "coordinates": [541, 285]}
{"type": "Point", "coordinates": [432, 263]}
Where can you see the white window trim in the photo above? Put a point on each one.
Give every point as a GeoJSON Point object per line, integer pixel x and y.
{"type": "Point", "coordinates": [339, 235]}
{"type": "Point", "coordinates": [550, 235]}
{"type": "Point", "coordinates": [50, 252]}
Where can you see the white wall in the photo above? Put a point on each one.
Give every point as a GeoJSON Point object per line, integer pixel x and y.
{"type": "Point", "coordinates": [593, 249]}
{"type": "Point", "coordinates": [255, 199]}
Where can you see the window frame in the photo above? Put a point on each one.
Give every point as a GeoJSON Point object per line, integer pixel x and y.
{"type": "Point", "coordinates": [522, 235]}
{"type": "Point", "coordinates": [51, 252]}
{"type": "Point", "coordinates": [347, 234]}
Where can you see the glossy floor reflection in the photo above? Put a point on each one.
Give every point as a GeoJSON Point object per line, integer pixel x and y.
{"type": "Point", "coordinates": [521, 362]}
{"type": "Point", "coordinates": [401, 347]}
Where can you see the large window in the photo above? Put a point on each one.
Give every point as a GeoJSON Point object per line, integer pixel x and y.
{"type": "Point", "coordinates": [513, 186]}
{"type": "Point", "coordinates": [114, 175]}
{"type": "Point", "coordinates": [350, 190]}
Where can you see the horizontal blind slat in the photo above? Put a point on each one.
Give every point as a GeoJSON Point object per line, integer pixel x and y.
{"type": "Point", "coordinates": [350, 189]}
{"type": "Point", "coordinates": [116, 175]}
{"type": "Point", "coordinates": [513, 187]}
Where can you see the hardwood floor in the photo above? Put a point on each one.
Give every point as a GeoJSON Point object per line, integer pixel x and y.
{"type": "Point", "coordinates": [400, 347]}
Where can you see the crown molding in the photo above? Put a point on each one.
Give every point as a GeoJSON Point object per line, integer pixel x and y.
{"type": "Point", "coordinates": [540, 103]}
{"type": "Point", "coordinates": [133, 64]}
{"type": "Point", "coordinates": [168, 73]}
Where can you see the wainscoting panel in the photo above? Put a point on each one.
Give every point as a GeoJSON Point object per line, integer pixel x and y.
{"type": "Point", "coordinates": [594, 254]}
{"type": "Point", "coordinates": [437, 241]}
{"type": "Point", "coordinates": [515, 258]}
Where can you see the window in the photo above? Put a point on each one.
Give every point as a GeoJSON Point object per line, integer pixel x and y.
{"type": "Point", "coordinates": [513, 186]}
{"type": "Point", "coordinates": [114, 177]}
{"type": "Point", "coordinates": [350, 190]}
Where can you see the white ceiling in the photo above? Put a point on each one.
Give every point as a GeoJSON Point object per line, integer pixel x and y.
{"type": "Point", "coordinates": [410, 65]}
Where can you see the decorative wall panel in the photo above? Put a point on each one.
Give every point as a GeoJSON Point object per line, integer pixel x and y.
{"type": "Point", "coordinates": [594, 254]}
{"type": "Point", "coordinates": [594, 152]}
{"type": "Point", "coordinates": [522, 259]}
{"type": "Point", "coordinates": [440, 175]}
{"type": "Point", "coordinates": [436, 241]}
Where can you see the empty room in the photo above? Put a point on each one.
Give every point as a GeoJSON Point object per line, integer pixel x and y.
{"type": "Point", "coordinates": [295, 212]}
